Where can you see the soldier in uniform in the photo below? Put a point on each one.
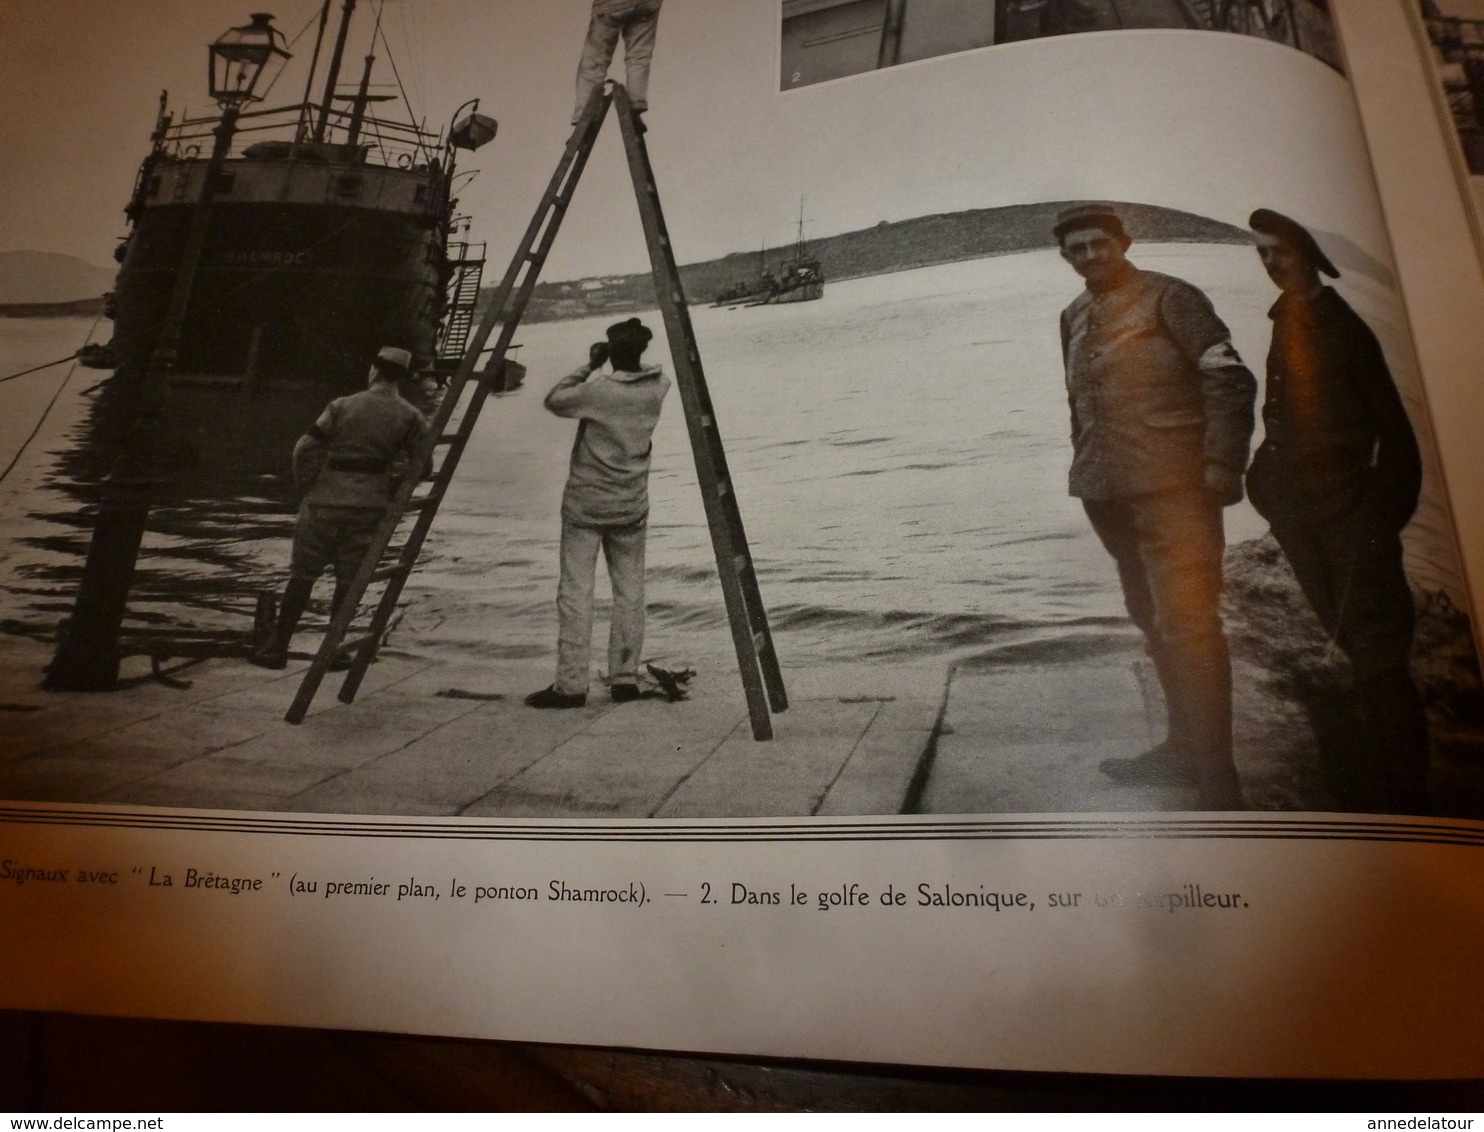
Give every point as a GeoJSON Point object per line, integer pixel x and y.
{"type": "Point", "coordinates": [605, 506]}
{"type": "Point", "coordinates": [348, 463]}
{"type": "Point", "coordinates": [636, 21]}
{"type": "Point", "coordinates": [1337, 477]}
{"type": "Point", "coordinates": [1162, 415]}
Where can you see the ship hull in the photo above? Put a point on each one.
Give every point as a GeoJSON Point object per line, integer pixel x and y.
{"type": "Point", "coordinates": [296, 289]}
{"type": "Point", "coordinates": [802, 294]}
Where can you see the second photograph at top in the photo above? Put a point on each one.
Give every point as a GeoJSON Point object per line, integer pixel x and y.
{"type": "Point", "coordinates": [830, 39]}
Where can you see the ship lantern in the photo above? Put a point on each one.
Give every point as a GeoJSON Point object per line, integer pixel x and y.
{"type": "Point", "coordinates": [237, 60]}
{"type": "Point", "coordinates": [473, 131]}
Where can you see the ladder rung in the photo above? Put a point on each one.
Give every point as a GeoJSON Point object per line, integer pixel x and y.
{"type": "Point", "coordinates": [386, 572]}
{"type": "Point", "coordinates": [722, 487]}
{"type": "Point", "coordinates": [417, 503]}
{"type": "Point", "coordinates": [740, 562]}
{"type": "Point", "coordinates": [352, 644]}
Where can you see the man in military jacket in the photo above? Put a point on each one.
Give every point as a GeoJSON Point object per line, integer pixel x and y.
{"type": "Point", "coordinates": [1337, 477]}
{"type": "Point", "coordinates": [348, 464]}
{"type": "Point", "coordinates": [1162, 416]}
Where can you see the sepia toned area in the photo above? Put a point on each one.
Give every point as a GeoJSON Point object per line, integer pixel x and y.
{"type": "Point", "coordinates": [830, 39]}
{"type": "Point", "coordinates": [887, 383]}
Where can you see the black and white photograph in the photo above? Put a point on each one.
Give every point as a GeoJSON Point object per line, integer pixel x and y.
{"type": "Point", "coordinates": [830, 39]}
{"type": "Point", "coordinates": [481, 478]}
{"type": "Point", "coordinates": [945, 427]}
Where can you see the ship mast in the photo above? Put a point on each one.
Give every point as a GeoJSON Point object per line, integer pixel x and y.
{"type": "Point", "coordinates": [333, 76]}
{"type": "Point", "coordinates": [358, 106]}
{"type": "Point", "coordinates": [319, 38]}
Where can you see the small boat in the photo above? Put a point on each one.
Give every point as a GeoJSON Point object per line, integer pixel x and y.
{"type": "Point", "coordinates": [798, 280]}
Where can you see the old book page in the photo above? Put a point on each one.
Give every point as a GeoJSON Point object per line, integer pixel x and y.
{"type": "Point", "coordinates": [1064, 782]}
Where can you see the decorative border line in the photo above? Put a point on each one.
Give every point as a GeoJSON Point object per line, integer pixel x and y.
{"type": "Point", "coordinates": [1300, 827]}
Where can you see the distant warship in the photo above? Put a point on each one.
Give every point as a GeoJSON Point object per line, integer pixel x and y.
{"type": "Point", "coordinates": [798, 280]}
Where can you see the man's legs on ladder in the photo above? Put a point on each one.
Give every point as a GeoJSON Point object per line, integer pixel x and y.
{"type": "Point", "coordinates": [597, 53]}
{"type": "Point", "coordinates": [639, 31]}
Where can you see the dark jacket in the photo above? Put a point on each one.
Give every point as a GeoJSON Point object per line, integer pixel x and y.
{"type": "Point", "coordinates": [1337, 434]}
{"type": "Point", "coordinates": [1155, 389]}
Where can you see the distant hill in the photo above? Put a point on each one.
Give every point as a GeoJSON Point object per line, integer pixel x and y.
{"type": "Point", "coordinates": [49, 277]}
{"type": "Point", "coordinates": [889, 246]}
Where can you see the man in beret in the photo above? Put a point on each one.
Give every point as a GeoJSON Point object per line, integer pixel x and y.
{"type": "Point", "coordinates": [348, 464]}
{"type": "Point", "coordinates": [605, 505]}
{"type": "Point", "coordinates": [636, 21]}
{"type": "Point", "coordinates": [1337, 477]}
{"type": "Point", "coordinates": [1162, 415]}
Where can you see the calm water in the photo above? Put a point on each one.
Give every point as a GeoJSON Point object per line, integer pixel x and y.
{"type": "Point", "coordinates": [899, 449]}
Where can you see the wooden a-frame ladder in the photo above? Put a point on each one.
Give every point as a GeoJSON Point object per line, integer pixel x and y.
{"type": "Point", "coordinates": [422, 490]}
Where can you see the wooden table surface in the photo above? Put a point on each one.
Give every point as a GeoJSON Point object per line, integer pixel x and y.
{"type": "Point", "coordinates": [53, 1063]}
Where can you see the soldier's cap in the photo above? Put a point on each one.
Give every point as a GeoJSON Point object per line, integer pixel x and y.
{"type": "Point", "coordinates": [1295, 235]}
{"type": "Point", "coordinates": [1094, 214]}
{"type": "Point", "coordinates": [393, 362]}
{"type": "Point", "coordinates": [629, 332]}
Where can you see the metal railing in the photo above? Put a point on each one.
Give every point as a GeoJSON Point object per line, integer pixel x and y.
{"type": "Point", "coordinates": [396, 142]}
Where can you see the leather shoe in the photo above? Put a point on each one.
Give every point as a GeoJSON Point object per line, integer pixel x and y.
{"type": "Point", "coordinates": [624, 693]}
{"type": "Point", "coordinates": [269, 657]}
{"type": "Point", "coordinates": [551, 697]}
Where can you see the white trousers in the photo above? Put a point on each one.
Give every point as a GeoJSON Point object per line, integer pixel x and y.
{"type": "Point", "coordinates": [623, 551]}
{"type": "Point", "coordinates": [637, 25]}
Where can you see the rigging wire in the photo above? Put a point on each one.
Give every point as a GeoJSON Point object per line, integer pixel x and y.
{"type": "Point", "coordinates": [419, 144]}
{"type": "Point", "coordinates": [416, 50]}
{"type": "Point", "coordinates": [283, 64]}
{"type": "Point", "coordinates": [369, 113]}
{"type": "Point", "coordinates": [302, 127]}
{"type": "Point", "coordinates": [38, 369]}
{"type": "Point", "coordinates": [300, 33]}
{"type": "Point", "coordinates": [46, 412]}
